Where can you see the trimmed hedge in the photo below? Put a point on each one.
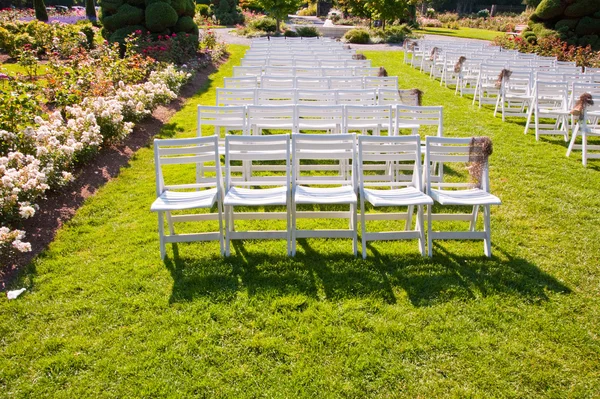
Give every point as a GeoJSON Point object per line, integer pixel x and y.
{"type": "Point", "coordinates": [357, 36]}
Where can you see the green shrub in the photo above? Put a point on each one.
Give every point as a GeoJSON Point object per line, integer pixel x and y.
{"type": "Point", "coordinates": [40, 10]}
{"type": "Point", "coordinates": [485, 13]}
{"type": "Point", "coordinates": [357, 36]}
{"type": "Point", "coordinates": [160, 16]}
{"type": "Point", "coordinates": [125, 15]}
{"type": "Point", "coordinates": [586, 40]}
{"type": "Point", "coordinates": [307, 31]}
{"type": "Point", "coordinates": [120, 34]}
{"type": "Point", "coordinates": [570, 24]}
{"type": "Point", "coordinates": [111, 6]}
{"type": "Point", "coordinates": [308, 11]}
{"type": "Point", "coordinates": [227, 13]}
{"type": "Point", "coordinates": [203, 10]}
{"type": "Point", "coordinates": [265, 24]}
{"type": "Point", "coordinates": [397, 34]}
{"type": "Point", "coordinates": [186, 24]}
{"type": "Point", "coordinates": [549, 9]}
{"type": "Point", "coordinates": [290, 33]}
{"type": "Point", "coordinates": [588, 26]}
{"type": "Point", "coordinates": [581, 8]}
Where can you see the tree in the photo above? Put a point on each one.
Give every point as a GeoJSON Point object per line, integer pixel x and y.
{"type": "Point", "coordinates": [40, 10]}
{"type": "Point", "coordinates": [279, 9]}
{"type": "Point", "coordinates": [389, 10]}
{"type": "Point", "coordinates": [90, 10]}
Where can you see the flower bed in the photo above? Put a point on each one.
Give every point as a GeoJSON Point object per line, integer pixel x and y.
{"type": "Point", "coordinates": [89, 97]}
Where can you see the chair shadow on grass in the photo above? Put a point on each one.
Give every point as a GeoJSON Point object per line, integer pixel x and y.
{"type": "Point", "coordinates": [338, 276]}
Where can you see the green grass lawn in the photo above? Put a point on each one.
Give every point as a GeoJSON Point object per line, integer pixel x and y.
{"type": "Point", "coordinates": [469, 33]}
{"type": "Point", "coordinates": [103, 316]}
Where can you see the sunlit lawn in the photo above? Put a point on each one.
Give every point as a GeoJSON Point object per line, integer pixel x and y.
{"type": "Point", "coordinates": [469, 33]}
{"type": "Point", "coordinates": [103, 316]}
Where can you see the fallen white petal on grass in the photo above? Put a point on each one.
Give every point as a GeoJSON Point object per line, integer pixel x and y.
{"type": "Point", "coordinates": [14, 294]}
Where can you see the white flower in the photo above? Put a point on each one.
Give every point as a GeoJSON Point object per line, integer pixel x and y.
{"type": "Point", "coordinates": [26, 212]}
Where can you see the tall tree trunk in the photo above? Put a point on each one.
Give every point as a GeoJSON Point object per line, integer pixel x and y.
{"type": "Point", "coordinates": [276, 25]}
{"type": "Point", "coordinates": [90, 10]}
{"type": "Point", "coordinates": [40, 10]}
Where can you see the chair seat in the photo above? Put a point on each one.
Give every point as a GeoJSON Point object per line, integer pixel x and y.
{"type": "Point", "coordinates": [398, 197]}
{"type": "Point", "coordinates": [474, 196]}
{"type": "Point", "coordinates": [327, 195]}
{"type": "Point", "coordinates": [180, 200]}
{"type": "Point", "coordinates": [237, 196]}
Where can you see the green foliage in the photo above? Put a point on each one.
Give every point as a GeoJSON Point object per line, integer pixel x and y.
{"type": "Point", "coordinates": [126, 15]}
{"type": "Point", "coordinates": [203, 10]}
{"type": "Point", "coordinates": [160, 16]}
{"type": "Point", "coordinates": [357, 36]}
{"type": "Point", "coordinates": [121, 34]}
{"type": "Point", "coordinates": [40, 10]}
{"type": "Point", "coordinates": [265, 24]}
{"type": "Point", "coordinates": [308, 11]}
{"type": "Point", "coordinates": [570, 24]}
{"type": "Point", "coordinates": [279, 9]}
{"type": "Point", "coordinates": [90, 10]}
{"type": "Point", "coordinates": [397, 34]}
{"type": "Point", "coordinates": [485, 13]}
{"type": "Point", "coordinates": [290, 33]}
{"type": "Point", "coordinates": [307, 31]}
{"type": "Point", "coordinates": [227, 13]}
{"type": "Point", "coordinates": [581, 8]}
{"type": "Point", "coordinates": [588, 26]}
{"type": "Point", "coordinates": [549, 9]}
{"type": "Point", "coordinates": [186, 24]}
{"type": "Point", "coordinates": [110, 6]}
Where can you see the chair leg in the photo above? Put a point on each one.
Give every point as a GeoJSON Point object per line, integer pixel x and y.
{"type": "Point", "coordinates": [161, 235]}
{"type": "Point", "coordinates": [409, 215]}
{"type": "Point", "coordinates": [474, 218]}
{"type": "Point", "coordinates": [573, 139]}
{"type": "Point", "coordinates": [170, 222]}
{"type": "Point", "coordinates": [354, 229]}
{"type": "Point", "coordinates": [487, 241]}
{"type": "Point", "coordinates": [421, 229]}
{"type": "Point", "coordinates": [228, 221]}
{"type": "Point", "coordinates": [429, 230]}
{"type": "Point", "coordinates": [363, 228]}
{"type": "Point", "coordinates": [584, 147]}
{"type": "Point", "coordinates": [221, 232]}
{"type": "Point", "coordinates": [293, 229]}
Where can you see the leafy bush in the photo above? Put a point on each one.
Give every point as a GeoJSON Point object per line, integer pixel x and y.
{"type": "Point", "coordinates": [357, 36]}
{"type": "Point", "coordinates": [430, 13]}
{"type": "Point", "coordinates": [308, 11]}
{"type": "Point", "coordinates": [307, 31]}
{"type": "Point", "coordinates": [203, 9]}
{"type": "Point", "coordinates": [265, 24]}
{"type": "Point", "coordinates": [290, 33]}
{"type": "Point", "coordinates": [485, 13]}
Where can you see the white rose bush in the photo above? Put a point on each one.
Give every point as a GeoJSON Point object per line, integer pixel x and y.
{"type": "Point", "coordinates": [42, 155]}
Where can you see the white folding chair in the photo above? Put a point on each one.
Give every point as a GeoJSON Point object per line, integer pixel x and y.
{"type": "Point", "coordinates": [340, 183]}
{"type": "Point", "coordinates": [381, 82]}
{"type": "Point", "coordinates": [550, 101]}
{"type": "Point", "coordinates": [329, 118]}
{"type": "Point", "coordinates": [277, 117]}
{"type": "Point", "coordinates": [588, 124]}
{"type": "Point", "coordinates": [310, 83]}
{"type": "Point", "coordinates": [275, 96]}
{"type": "Point", "coordinates": [316, 97]}
{"type": "Point", "coordinates": [345, 82]}
{"type": "Point", "coordinates": [226, 118]}
{"type": "Point", "coordinates": [384, 184]}
{"type": "Point", "coordinates": [247, 71]}
{"type": "Point", "coordinates": [515, 95]}
{"type": "Point", "coordinates": [261, 185]}
{"type": "Point", "coordinates": [356, 96]}
{"type": "Point", "coordinates": [205, 191]}
{"type": "Point", "coordinates": [235, 97]}
{"type": "Point", "coordinates": [277, 82]}
{"type": "Point", "coordinates": [414, 117]}
{"type": "Point", "coordinates": [393, 97]}
{"type": "Point", "coordinates": [457, 151]}
{"type": "Point", "coordinates": [376, 118]}
{"type": "Point", "coordinates": [241, 83]}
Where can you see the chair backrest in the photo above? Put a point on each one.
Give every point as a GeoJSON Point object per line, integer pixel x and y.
{"type": "Point", "coordinates": [345, 82]}
{"type": "Point", "coordinates": [454, 150]}
{"type": "Point", "coordinates": [275, 96]}
{"type": "Point", "coordinates": [366, 71]}
{"type": "Point", "coordinates": [268, 151]}
{"type": "Point", "coordinates": [381, 82]}
{"type": "Point", "coordinates": [277, 82]}
{"type": "Point", "coordinates": [357, 96]}
{"type": "Point", "coordinates": [228, 97]}
{"type": "Point", "coordinates": [375, 118]}
{"type": "Point", "coordinates": [320, 148]}
{"type": "Point", "coordinates": [592, 88]}
{"type": "Point", "coordinates": [315, 117]}
{"type": "Point", "coordinates": [316, 97]}
{"type": "Point", "coordinates": [230, 118]}
{"type": "Point", "coordinates": [242, 71]}
{"type": "Point", "coordinates": [338, 71]}
{"type": "Point", "coordinates": [307, 82]}
{"type": "Point", "coordinates": [393, 97]}
{"type": "Point", "coordinates": [386, 161]}
{"type": "Point", "coordinates": [241, 83]}
{"type": "Point", "coordinates": [552, 95]}
{"type": "Point", "coordinates": [421, 116]}
{"type": "Point", "coordinates": [271, 117]}
{"type": "Point", "coordinates": [197, 151]}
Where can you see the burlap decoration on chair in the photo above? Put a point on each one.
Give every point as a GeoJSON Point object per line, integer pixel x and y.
{"type": "Point", "coordinates": [358, 56]}
{"type": "Point", "coordinates": [479, 151]}
{"type": "Point", "coordinates": [382, 72]}
{"type": "Point", "coordinates": [503, 75]}
{"type": "Point", "coordinates": [459, 64]}
{"type": "Point", "coordinates": [579, 109]}
{"type": "Point", "coordinates": [433, 53]}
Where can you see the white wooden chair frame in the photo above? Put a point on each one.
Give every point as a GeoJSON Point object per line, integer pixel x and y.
{"type": "Point", "coordinates": [377, 153]}
{"type": "Point", "coordinates": [207, 190]}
